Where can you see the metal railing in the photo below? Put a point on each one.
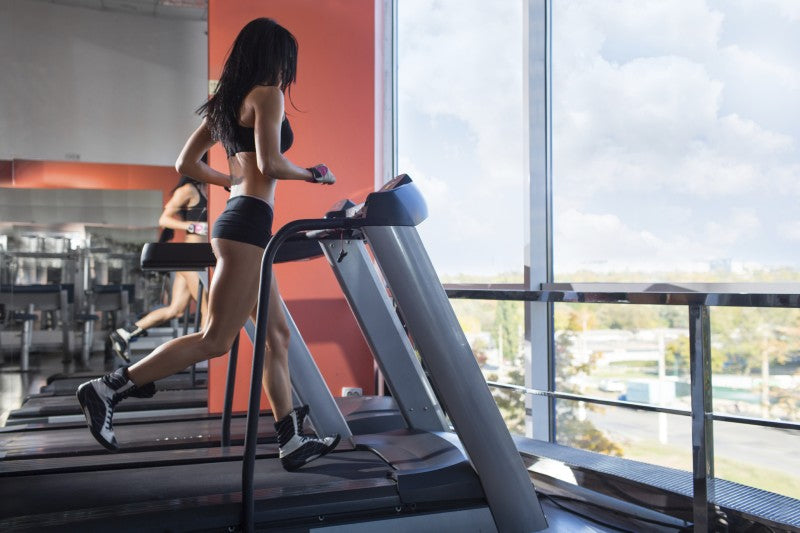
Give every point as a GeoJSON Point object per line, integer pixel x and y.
{"type": "Point", "coordinates": [697, 298]}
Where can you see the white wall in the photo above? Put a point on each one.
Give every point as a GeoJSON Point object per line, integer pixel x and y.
{"type": "Point", "coordinates": [97, 86]}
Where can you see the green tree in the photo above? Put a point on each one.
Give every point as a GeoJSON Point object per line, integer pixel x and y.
{"type": "Point", "coordinates": [570, 429]}
{"type": "Point", "coordinates": [511, 403]}
{"type": "Point", "coordinates": [676, 356]}
{"type": "Point", "coordinates": [506, 330]}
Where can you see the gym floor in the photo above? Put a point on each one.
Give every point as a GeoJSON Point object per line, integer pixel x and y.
{"type": "Point", "coordinates": [16, 385]}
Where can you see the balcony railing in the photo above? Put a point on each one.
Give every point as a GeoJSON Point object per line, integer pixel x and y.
{"type": "Point", "coordinates": [697, 298]}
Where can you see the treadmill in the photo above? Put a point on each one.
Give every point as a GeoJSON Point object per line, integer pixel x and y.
{"type": "Point", "coordinates": [62, 431]}
{"type": "Point", "coordinates": [469, 479]}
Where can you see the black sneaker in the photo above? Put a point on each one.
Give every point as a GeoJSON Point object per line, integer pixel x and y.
{"type": "Point", "coordinates": [297, 449]}
{"type": "Point", "coordinates": [98, 398]}
{"type": "Point", "coordinates": [119, 346]}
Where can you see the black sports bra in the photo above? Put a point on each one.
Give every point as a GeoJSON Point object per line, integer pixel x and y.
{"type": "Point", "coordinates": [196, 213]}
{"type": "Point", "coordinates": [244, 139]}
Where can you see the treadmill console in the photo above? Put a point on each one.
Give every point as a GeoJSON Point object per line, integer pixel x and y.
{"type": "Point", "coordinates": [397, 203]}
{"type": "Point", "coordinates": [395, 182]}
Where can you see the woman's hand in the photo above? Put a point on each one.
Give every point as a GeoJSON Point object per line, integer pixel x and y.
{"type": "Point", "coordinates": [321, 174]}
{"type": "Point", "coordinates": [198, 228]}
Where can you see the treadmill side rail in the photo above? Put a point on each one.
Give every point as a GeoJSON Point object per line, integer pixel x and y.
{"type": "Point", "coordinates": [457, 378]}
{"type": "Point", "coordinates": [377, 318]}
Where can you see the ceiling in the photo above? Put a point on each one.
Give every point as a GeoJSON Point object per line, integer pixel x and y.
{"type": "Point", "coordinates": [167, 9]}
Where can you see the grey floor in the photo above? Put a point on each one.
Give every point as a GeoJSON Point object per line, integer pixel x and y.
{"type": "Point", "coordinates": [15, 385]}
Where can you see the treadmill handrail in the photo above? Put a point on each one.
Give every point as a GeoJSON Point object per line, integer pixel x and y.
{"type": "Point", "coordinates": [259, 348]}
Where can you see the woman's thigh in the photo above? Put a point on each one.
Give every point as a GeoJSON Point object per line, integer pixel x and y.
{"type": "Point", "coordinates": [276, 319]}
{"type": "Point", "coordinates": [234, 286]}
{"type": "Point", "coordinates": [191, 280]}
{"type": "Point", "coordinates": [179, 298]}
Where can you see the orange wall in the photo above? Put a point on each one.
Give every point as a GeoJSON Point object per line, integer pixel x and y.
{"type": "Point", "coordinates": [79, 175]}
{"type": "Point", "coordinates": [6, 172]}
{"type": "Point", "coordinates": [335, 93]}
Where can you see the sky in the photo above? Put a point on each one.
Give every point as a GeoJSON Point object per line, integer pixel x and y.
{"type": "Point", "coordinates": [676, 132]}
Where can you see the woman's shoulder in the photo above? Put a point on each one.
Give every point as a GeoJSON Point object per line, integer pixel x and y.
{"type": "Point", "coordinates": [186, 192]}
{"type": "Point", "coordinates": [265, 94]}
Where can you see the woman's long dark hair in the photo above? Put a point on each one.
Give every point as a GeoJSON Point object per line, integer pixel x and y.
{"type": "Point", "coordinates": [264, 53]}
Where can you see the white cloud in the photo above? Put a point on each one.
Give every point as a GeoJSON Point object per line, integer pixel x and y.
{"type": "Point", "coordinates": [790, 230]}
{"type": "Point", "coordinates": [622, 29]}
{"type": "Point", "coordinates": [676, 128]}
{"type": "Point", "coordinates": [462, 60]}
{"type": "Point", "coordinates": [582, 240]}
{"type": "Point", "coordinates": [732, 228]}
{"type": "Point", "coordinates": [643, 121]}
{"type": "Point", "coordinates": [787, 8]}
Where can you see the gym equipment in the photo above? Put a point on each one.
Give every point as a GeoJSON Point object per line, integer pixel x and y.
{"type": "Point", "coordinates": [470, 479]}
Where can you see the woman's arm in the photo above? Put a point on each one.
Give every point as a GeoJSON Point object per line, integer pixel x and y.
{"type": "Point", "coordinates": [190, 162]}
{"type": "Point", "coordinates": [268, 109]}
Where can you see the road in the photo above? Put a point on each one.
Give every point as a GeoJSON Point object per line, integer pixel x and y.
{"type": "Point", "coordinates": [767, 447]}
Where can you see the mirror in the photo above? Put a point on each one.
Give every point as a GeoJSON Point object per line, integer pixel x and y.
{"type": "Point", "coordinates": [109, 81]}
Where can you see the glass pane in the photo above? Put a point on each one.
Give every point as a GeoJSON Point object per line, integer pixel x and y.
{"type": "Point", "coordinates": [460, 132]}
{"type": "Point", "coordinates": [676, 140]}
{"type": "Point", "coordinates": [637, 353]}
{"type": "Point", "coordinates": [765, 458]}
{"type": "Point", "coordinates": [655, 438]}
{"type": "Point", "coordinates": [755, 359]}
{"type": "Point", "coordinates": [494, 330]}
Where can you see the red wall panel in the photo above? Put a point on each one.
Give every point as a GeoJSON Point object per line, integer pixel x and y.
{"type": "Point", "coordinates": [79, 175]}
{"type": "Point", "coordinates": [333, 124]}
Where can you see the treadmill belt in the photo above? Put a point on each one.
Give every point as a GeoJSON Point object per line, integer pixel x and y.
{"type": "Point", "coordinates": [66, 405]}
{"type": "Point", "coordinates": [195, 495]}
{"type": "Point", "coordinates": [132, 438]}
{"type": "Point", "coordinates": [9, 470]}
{"type": "Point", "coordinates": [91, 374]}
{"type": "Point", "coordinates": [67, 386]}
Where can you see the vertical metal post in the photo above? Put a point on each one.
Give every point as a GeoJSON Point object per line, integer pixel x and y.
{"type": "Point", "coordinates": [125, 305]}
{"type": "Point", "coordinates": [88, 337]}
{"type": "Point", "coordinates": [27, 339]}
{"type": "Point", "coordinates": [124, 297]}
{"type": "Point", "coordinates": [66, 321]}
{"type": "Point", "coordinates": [197, 309]}
{"type": "Point", "coordinates": [702, 426]}
{"type": "Point", "coordinates": [185, 321]}
{"type": "Point", "coordinates": [539, 368]}
{"type": "Point", "coordinates": [385, 92]}
{"type": "Point", "coordinates": [229, 386]}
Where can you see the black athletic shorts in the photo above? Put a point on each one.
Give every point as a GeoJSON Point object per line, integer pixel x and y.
{"type": "Point", "coordinates": [245, 219]}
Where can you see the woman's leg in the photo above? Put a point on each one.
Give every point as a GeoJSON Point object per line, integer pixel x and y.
{"type": "Point", "coordinates": [121, 337]}
{"type": "Point", "coordinates": [192, 280]}
{"type": "Point", "coordinates": [276, 360]}
{"type": "Point", "coordinates": [295, 448]}
{"type": "Point", "coordinates": [233, 293]}
{"type": "Point", "coordinates": [178, 301]}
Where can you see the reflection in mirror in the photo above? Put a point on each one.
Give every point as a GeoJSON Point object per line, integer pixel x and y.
{"type": "Point", "coordinates": [101, 81]}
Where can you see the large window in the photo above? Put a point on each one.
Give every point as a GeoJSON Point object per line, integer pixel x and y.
{"type": "Point", "coordinates": [675, 155]}
{"type": "Point", "coordinates": [676, 140]}
{"type": "Point", "coordinates": [460, 132]}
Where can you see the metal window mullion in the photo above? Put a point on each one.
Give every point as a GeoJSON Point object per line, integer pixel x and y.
{"type": "Point", "coordinates": [702, 425]}
{"type": "Point", "coordinates": [385, 91]}
{"type": "Point", "coordinates": [540, 368]}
